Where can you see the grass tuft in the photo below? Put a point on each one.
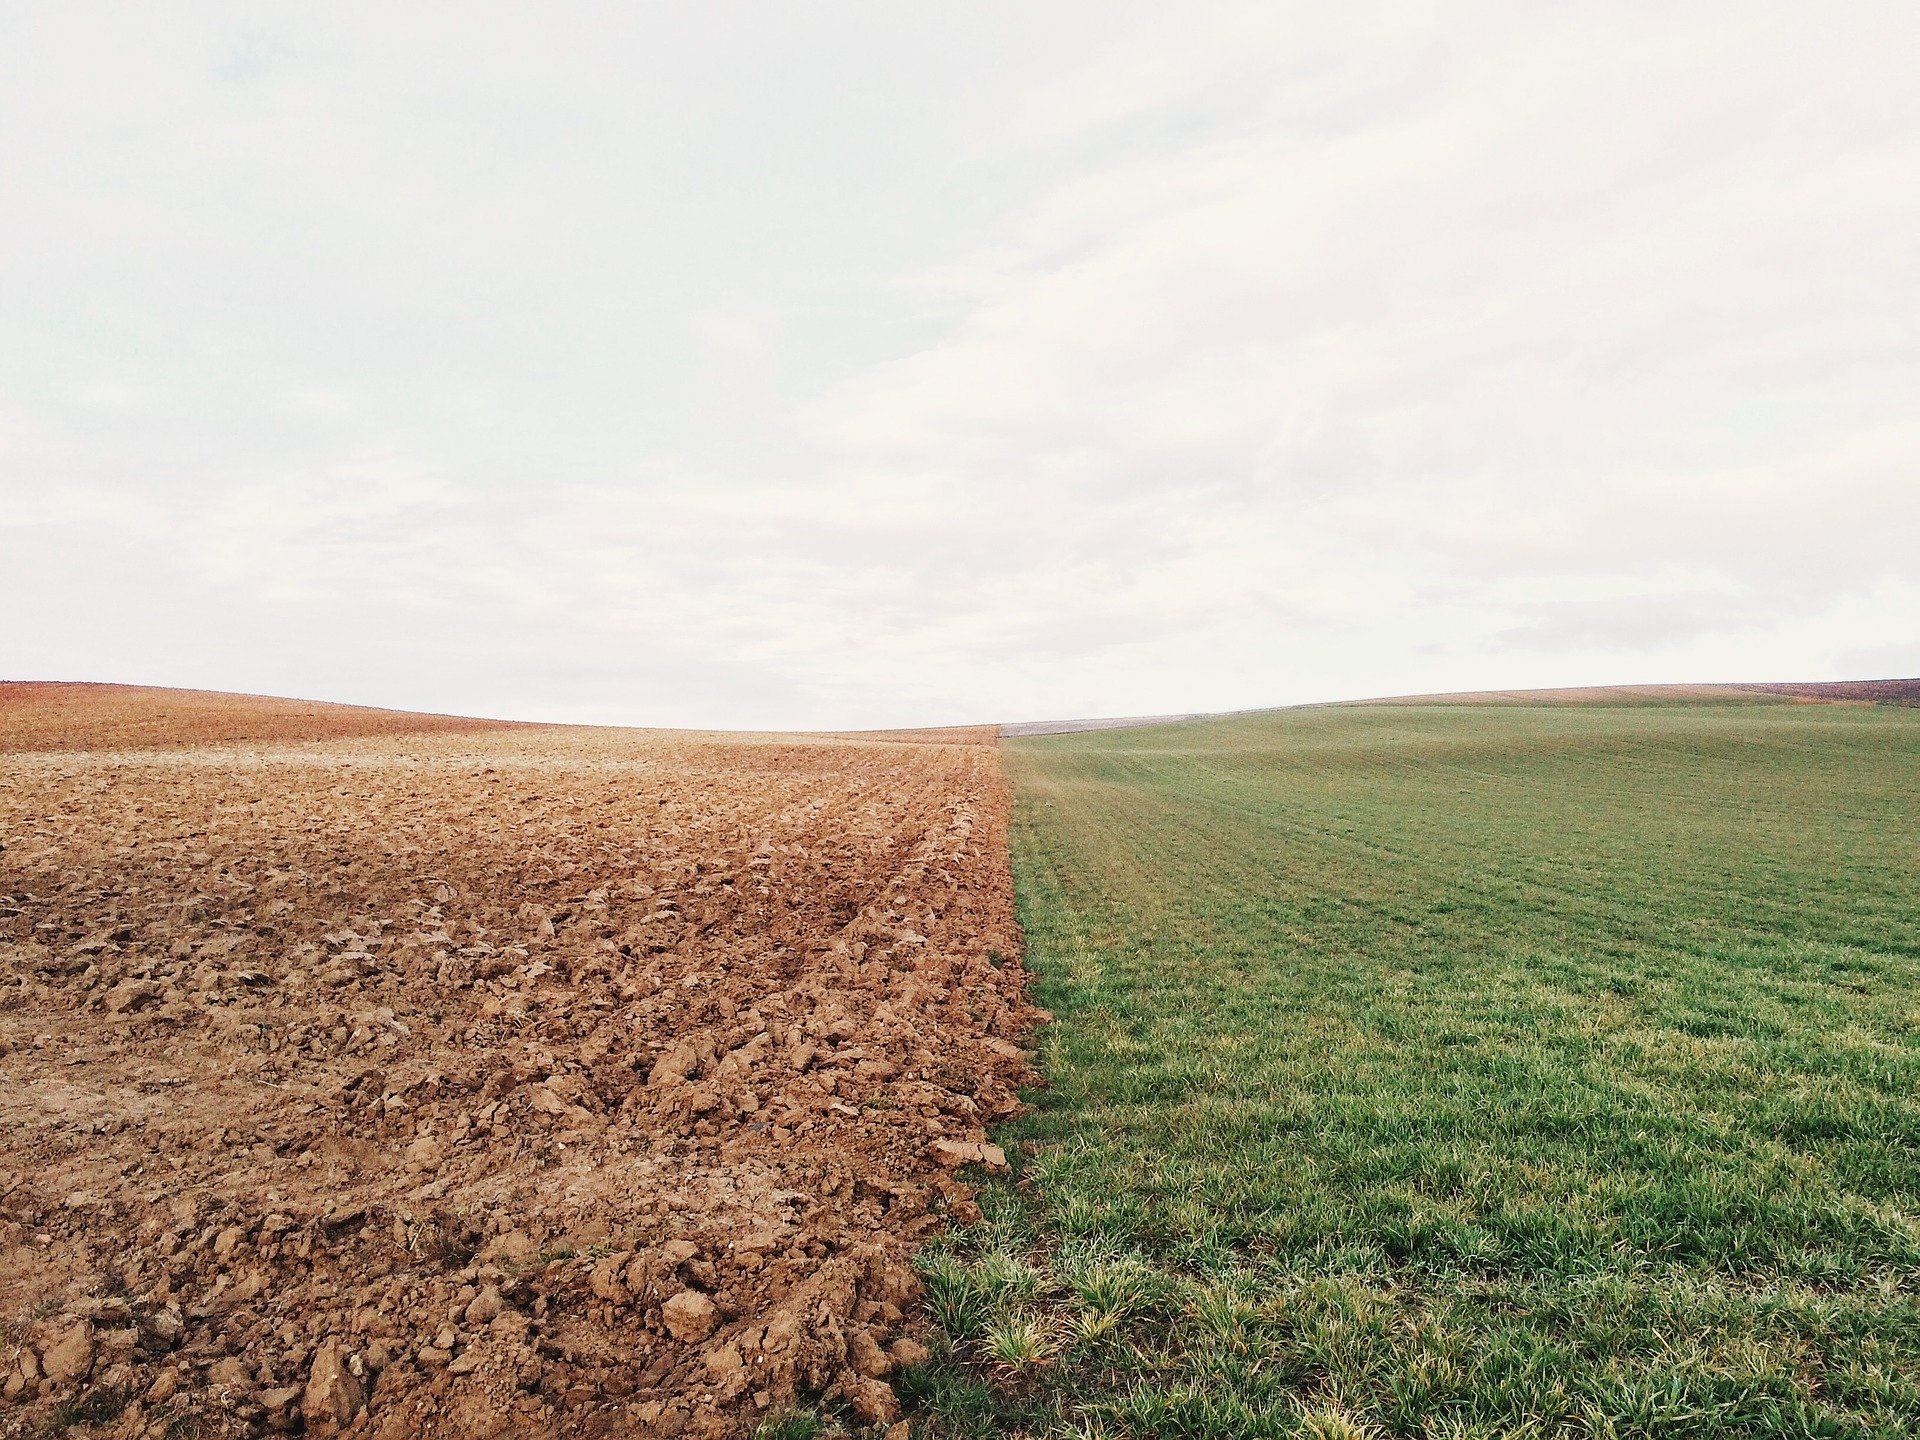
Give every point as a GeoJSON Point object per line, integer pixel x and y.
{"type": "Point", "coordinates": [791, 1425]}
{"type": "Point", "coordinates": [1016, 1340]}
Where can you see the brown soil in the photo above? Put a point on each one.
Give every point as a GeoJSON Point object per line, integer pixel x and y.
{"type": "Point", "coordinates": [55, 715]}
{"type": "Point", "coordinates": [943, 735]}
{"type": "Point", "coordinates": [1878, 692]}
{"type": "Point", "coordinates": [527, 1081]}
{"type": "Point", "coordinates": [1885, 692]}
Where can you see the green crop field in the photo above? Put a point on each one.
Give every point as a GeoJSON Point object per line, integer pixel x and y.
{"type": "Point", "coordinates": [1460, 1071]}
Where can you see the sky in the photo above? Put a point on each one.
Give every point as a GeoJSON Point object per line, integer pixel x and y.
{"type": "Point", "coordinates": [858, 365]}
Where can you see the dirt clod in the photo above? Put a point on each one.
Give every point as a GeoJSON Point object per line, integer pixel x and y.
{"type": "Point", "coordinates": [334, 1394]}
{"type": "Point", "coordinates": [70, 1357]}
{"type": "Point", "coordinates": [908, 1352]}
{"type": "Point", "coordinates": [874, 1402]}
{"type": "Point", "coordinates": [689, 1315]}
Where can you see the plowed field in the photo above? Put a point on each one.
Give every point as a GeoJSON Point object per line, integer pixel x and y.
{"type": "Point", "coordinates": [40, 716]}
{"type": "Point", "coordinates": [529, 1081]}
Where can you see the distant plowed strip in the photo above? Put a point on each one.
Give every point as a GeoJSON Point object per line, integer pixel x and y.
{"type": "Point", "coordinates": [37, 715]}
{"type": "Point", "coordinates": [942, 735]}
{"type": "Point", "coordinates": [1881, 692]}
{"type": "Point", "coordinates": [538, 1081]}
{"type": "Point", "coordinates": [1885, 692]}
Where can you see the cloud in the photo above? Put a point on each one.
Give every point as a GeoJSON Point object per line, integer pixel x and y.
{"type": "Point", "coordinates": [852, 373]}
{"type": "Point", "coordinates": [1635, 624]}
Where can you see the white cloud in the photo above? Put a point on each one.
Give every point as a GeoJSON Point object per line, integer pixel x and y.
{"type": "Point", "coordinates": [849, 370]}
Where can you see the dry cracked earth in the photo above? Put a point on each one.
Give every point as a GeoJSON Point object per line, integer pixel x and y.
{"type": "Point", "coordinates": [391, 1076]}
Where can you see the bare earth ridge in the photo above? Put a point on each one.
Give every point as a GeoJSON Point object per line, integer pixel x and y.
{"type": "Point", "coordinates": [46, 715]}
{"type": "Point", "coordinates": [482, 1080]}
{"type": "Point", "coordinates": [1894, 692]}
{"type": "Point", "coordinates": [1878, 692]}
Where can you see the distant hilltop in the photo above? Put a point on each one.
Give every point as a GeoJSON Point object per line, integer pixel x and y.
{"type": "Point", "coordinates": [1878, 692]}
{"type": "Point", "coordinates": [1074, 727]}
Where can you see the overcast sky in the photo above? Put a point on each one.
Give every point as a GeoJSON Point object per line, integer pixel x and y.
{"type": "Point", "coordinates": [846, 365]}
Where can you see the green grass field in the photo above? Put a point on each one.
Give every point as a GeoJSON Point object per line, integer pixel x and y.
{"type": "Point", "coordinates": [1460, 1071]}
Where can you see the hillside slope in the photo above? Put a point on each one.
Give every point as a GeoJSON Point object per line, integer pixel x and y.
{"type": "Point", "coordinates": [39, 715]}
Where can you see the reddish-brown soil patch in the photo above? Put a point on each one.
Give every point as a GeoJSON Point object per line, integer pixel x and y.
{"type": "Point", "coordinates": [526, 1081]}
{"type": "Point", "coordinates": [1878, 692]}
{"type": "Point", "coordinates": [1885, 692]}
{"type": "Point", "coordinates": [59, 715]}
{"type": "Point", "coordinates": [944, 735]}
